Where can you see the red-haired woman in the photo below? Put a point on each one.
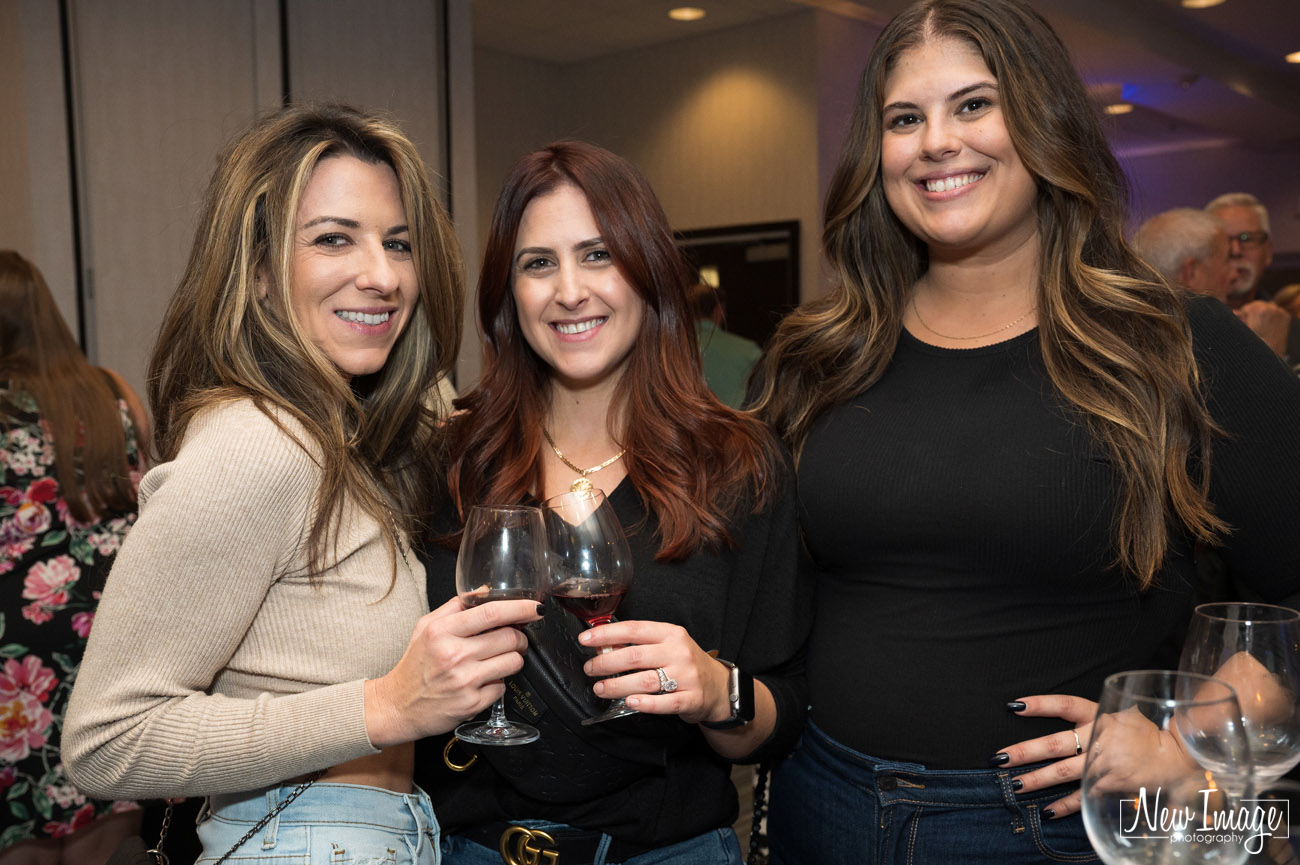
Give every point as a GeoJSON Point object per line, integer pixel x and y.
{"type": "Point", "coordinates": [69, 461]}
{"type": "Point", "coordinates": [593, 371]}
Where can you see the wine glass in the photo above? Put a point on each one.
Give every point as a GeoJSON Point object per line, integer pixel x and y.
{"type": "Point", "coordinates": [1256, 649]}
{"type": "Point", "coordinates": [502, 558]}
{"type": "Point", "coordinates": [591, 565]}
{"type": "Point", "coordinates": [1168, 771]}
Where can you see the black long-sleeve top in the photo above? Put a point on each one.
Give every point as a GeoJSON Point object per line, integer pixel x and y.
{"type": "Point", "coordinates": [751, 601]}
{"type": "Point", "coordinates": [961, 521]}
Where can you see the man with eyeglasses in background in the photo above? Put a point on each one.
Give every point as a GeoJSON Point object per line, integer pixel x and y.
{"type": "Point", "coordinates": [1251, 252]}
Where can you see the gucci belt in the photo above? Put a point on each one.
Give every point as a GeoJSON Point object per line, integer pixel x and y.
{"type": "Point", "coordinates": [523, 846]}
{"type": "Point", "coordinates": [520, 845]}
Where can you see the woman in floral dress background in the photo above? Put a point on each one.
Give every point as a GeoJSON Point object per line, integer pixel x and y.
{"type": "Point", "coordinates": [69, 463]}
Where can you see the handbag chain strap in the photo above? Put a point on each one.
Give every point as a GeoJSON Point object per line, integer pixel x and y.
{"type": "Point", "coordinates": [161, 857]}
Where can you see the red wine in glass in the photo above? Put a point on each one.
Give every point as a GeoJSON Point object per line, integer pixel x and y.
{"type": "Point", "coordinates": [593, 607]}
{"type": "Point", "coordinates": [591, 565]}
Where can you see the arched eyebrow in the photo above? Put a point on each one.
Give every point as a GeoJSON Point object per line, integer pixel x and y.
{"type": "Point", "coordinates": [349, 223]}
{"type": "Point", "coordinates": [955, 96]}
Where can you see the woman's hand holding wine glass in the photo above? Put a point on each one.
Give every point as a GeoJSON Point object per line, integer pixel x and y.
{"type": "Point", "coordinates": [502, 558]}
{"type": "Point", "coordinates": [452, 669]}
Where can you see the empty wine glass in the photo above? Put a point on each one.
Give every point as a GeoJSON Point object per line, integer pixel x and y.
{"type": "Point", "coordinates": [591, 565]}
{"type": "Point", "coordinates": [1168, 773]}
{"type": "Point", "coordinates": [502, 558]}
{"type": "Point", "coordinates": [1256, 649]}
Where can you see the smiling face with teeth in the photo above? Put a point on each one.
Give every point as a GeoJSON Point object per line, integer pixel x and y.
{"type": "Point", "coordinates": [949, 168]}
{"type": "Point", "coordinates": [576, 309]}
{"type": "Point", "coordinates": [354, 284]}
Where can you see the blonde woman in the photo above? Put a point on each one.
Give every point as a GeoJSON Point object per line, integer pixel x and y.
{"type": "Point", "coordinates": [267, 620]}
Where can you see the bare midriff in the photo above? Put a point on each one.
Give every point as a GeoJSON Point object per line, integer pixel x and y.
{"type": "Point", "coordinates": [391, 769]}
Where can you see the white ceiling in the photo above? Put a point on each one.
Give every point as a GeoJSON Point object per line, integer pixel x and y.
{"type": "Point", "coordinates": [1197, 77]}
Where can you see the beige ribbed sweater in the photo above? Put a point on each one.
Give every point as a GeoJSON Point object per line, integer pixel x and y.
{"type": "Point", "coordinates": [214, 666]}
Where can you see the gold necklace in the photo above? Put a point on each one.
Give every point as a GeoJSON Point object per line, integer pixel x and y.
{"type": "Point", "coordinates": [581, 485]}
{"type": "Point", "coordinates": [917, 313]}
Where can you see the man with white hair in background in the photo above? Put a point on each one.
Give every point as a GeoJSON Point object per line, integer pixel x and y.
{"type": "Point", "coordinates": [1192, 248]}
{"type": "Point", "coordinates": [1246, 221]}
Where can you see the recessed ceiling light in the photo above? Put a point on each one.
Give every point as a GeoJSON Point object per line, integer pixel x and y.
{"type": "Point", "coordinates": [1119, 108]}
{"type": "Point", "coordinates": [1293, 57]}
{"type": "Point", "coordinates": [693, 13]}
{"type": "Point", "coordinates": [1201, 4]}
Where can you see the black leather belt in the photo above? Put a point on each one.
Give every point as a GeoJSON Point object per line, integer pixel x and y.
{"type": "Point", "coordinates": [519, 845]}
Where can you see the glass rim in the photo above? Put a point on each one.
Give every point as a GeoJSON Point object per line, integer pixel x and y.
{"type": "Point", "coordinates": [1111, 683]}
{"type": "Point", "coordinates": [506, 508]}
{"type": "Point", "coordinates": [1272, 613]}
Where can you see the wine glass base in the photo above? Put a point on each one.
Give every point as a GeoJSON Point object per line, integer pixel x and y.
{"type": "Point", "coordinates": [609, 714]}
{"type": "Point", "coordinates": [487, 734]}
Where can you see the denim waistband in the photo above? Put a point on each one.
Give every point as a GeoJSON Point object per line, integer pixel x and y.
{"type": "Point", "coordinates": [329, 803]}
{"type": "Point", "coordinates": [900, 781]}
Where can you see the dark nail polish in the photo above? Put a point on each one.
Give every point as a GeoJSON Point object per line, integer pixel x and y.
{"type": "Point", "coordinates": [999, 759]}
{"type": "Point", "coordinates": [1016, 783]}
{"type": "Point", "coordinates": [1015, 706]}
{"type": "Point", "coordinates": [541, 609]}
{"type": "Point", "coordinates": [1049, 813]}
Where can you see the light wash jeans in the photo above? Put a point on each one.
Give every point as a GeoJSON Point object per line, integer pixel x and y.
{"type": "Point", "coordinates": [329, 824]}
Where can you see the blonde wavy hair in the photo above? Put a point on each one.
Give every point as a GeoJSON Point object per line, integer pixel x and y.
{"type": "Point", "coordinates": [376, 438]}
{"type": "Point", "coordinates": [1114, 336]}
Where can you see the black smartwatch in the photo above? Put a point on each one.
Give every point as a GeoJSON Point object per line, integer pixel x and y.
{"type": "Point", "coordinates": [740, 690]}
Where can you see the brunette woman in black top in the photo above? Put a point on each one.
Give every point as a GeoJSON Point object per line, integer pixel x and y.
{"type": "Point", "coordinates": [592, 362]}
{"type": "Point", "coordinates": [1011, 434]}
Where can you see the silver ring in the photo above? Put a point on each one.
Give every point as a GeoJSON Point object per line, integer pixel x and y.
{"type": "Point", "coordinates": [666, 685]}
{"type": "Point", "coordinates": [1078, 746]}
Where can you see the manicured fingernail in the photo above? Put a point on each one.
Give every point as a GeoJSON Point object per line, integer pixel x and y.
{"type": "Point", "coordinates": [599, 687]}
{"type": "Point", "coordinates": [1016, 706]}
{"type": "Point", "coordinates": [584, 637]}
{"type": "Point", "coordinates": [1049, 813]}
{"type": "Point", "coordinates": [1000, 759]}
{"type": "Point", "coordinates": [541, 609]}
{"type": "Point", "coordinates": [1016, 784]}
{"type": "Point", "coordinates": [632, 702]}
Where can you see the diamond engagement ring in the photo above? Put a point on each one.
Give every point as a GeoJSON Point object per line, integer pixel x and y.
{"type": "Point", "coordinates": [666, 685]}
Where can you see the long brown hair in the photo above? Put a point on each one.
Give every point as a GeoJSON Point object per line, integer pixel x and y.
{"type": "Point", "coordinates": [39, 356]}
{"type": "Point", "coordinates": [1113, 334]}
{"type": "Point", "coordinates": [692, 459]}
{"type": "Point", "coordinates": [375, 435]}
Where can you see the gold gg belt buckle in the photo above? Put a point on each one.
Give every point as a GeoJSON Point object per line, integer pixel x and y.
{"type": "Point", "coordinates": [518, 848]}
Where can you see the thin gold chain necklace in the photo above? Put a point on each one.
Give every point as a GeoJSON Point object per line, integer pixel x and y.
{"type": "Point", "coordinates": [1008, 326]}
{"type": "Point", "coordinates": [581, 484]}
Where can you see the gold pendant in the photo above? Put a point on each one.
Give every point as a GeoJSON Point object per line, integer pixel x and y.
{"type": "Point", "coordinates": [581, 485]}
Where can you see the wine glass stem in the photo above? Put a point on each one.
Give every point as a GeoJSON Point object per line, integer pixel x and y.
{"type": "Point", "coordinates": [498, 717]}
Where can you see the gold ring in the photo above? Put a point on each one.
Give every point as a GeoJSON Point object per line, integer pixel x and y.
{"type": "Point", "coordinates": [456, 767]}
{"type": "Point", "coordinates": [1078, 746]}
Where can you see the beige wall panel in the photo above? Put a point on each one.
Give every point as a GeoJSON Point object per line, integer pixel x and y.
{"type": "Point", "coordinates": [50, 203]}
{"type": "Point", "coordinates": [161, 85]}
{"type": "Point", "coordinates": [521, 106]}
{"type": "Point", "coordinates": [379, 55]}
{"type": "Point", "coordinates": [724, 125]}
{"type": "Point", "coordinates": [15, 185]}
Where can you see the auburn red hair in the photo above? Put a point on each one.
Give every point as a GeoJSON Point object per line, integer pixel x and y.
{"type": "Point", "coordinates": [695, 462]}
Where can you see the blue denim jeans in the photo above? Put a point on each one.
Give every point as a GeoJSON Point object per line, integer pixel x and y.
{"type": "Point", "coordinates": [831, 805]}
{"type": "Point", "coordinates": [329, 824]}
{"type": "Point", "coordinates": [718, 847]}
